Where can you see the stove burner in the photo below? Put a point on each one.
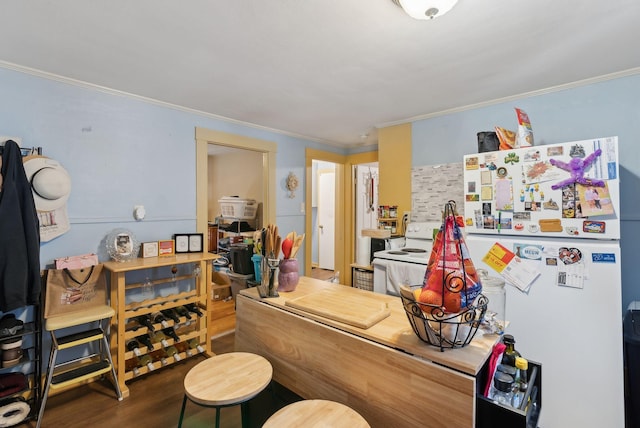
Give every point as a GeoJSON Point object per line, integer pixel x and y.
{"type": "Point", "coordinates": [414, 250]}
{"type": "Point", "coordinates": [398, 253]}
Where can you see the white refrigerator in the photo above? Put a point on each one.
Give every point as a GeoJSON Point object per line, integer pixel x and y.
{"type": "Point", "coordinates": [561, 263]}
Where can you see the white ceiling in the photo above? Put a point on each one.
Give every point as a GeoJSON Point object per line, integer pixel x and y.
{"type": "Point", "coordinates": [327, 70]}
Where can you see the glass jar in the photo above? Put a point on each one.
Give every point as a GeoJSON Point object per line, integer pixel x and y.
{"type": "Point", "coordinates": [493, 289]}
{"type": "Point", "coordinates": [502, 390]}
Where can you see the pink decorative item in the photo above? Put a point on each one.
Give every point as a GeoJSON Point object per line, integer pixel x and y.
{"type": "Point", "coordinates": [288, 275]}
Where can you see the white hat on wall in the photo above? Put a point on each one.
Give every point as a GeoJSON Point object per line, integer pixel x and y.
{"type": "Point", "coordinates": [50, 182]}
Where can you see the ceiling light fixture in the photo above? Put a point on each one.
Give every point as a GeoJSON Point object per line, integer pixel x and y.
{"type": "Point", "coordinates": [425, 9]}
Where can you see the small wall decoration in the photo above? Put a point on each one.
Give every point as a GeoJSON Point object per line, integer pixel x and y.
{"type": "Point", "coordinates": [122, 245]}
{"type": "Point", "coordinates": [196, 242]}
{"type": "Point", "coordinates": [182, 243]}
{"type": "Point", "coordinates": [166, 247]}
{"type": "Point", "coordinates": [292, 184]}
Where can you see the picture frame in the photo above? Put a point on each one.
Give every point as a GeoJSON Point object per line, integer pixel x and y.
{"type": "Point", "coordinates": [196, 242]}
{"type": "Point", "coordinates": [149, 249]}
{"type": "Point", "coordinates": [182, 241]}
{"type": "Point", "coordinates": [166, 247]}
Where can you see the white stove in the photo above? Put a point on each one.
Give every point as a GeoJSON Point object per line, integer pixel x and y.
{"type": "Point", "coordinates": [417, 244]}
{"type": "Point", "coordinates": [407, 264]}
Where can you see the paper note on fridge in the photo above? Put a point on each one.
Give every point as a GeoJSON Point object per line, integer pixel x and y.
{"type": "Point", "coordinates": [511, 267]}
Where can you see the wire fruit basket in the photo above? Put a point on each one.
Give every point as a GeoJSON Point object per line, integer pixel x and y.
{"type": "Point", "coordinates": [444, 330]}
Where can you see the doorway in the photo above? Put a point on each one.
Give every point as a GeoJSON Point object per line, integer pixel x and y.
{"type": "Point", "coordinates": [330, 198]}
{"type": "Point", "coordinates": [324, 210]}
{"type": "Point", "coordinates": [205, 137]}
{"type": "Point", "coordinates": [366, 178]}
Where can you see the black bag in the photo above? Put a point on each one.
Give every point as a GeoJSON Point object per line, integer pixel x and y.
{"type": "Point", "coordinates": [488, 142]}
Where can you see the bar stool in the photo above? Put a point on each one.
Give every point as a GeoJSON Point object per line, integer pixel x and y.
{"type": "Point", "coordinates": [66, 373]}
{"type": "Point", "coordinates": [316, 413]}
{"type": "Point", "coordinates": [226, 380]}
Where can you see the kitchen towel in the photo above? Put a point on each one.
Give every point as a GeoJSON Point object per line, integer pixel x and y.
{"type": "Point", "coordinates": [403, 273]}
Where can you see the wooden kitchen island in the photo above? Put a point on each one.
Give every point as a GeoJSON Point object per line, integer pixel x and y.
{"type": "Point", "coordinates": [383, 372]}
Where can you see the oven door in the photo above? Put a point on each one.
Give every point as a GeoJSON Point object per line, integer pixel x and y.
{"type": "Point", "coordinates": [389, 275]}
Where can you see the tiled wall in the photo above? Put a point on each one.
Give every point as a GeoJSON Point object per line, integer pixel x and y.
{"type": "Point", "coordinates": [434, 185]}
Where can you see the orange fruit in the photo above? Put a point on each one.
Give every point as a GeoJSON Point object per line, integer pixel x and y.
{"type": "Point", "coordinates": [452, 302]}
{"type": "Point", "coordinates": [431, 297]}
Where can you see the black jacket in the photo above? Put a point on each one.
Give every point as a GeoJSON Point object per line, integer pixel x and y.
{"type": "Point", "coordinates": [19, 235]}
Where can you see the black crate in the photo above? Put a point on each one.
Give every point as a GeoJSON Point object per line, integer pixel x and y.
{"type": "Point", "coordinates": [490, 414]}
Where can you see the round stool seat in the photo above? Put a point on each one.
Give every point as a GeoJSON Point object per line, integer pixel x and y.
{"type": "Point", "coordinates": [316, 413]}
{"type": "Point", "coordinates": [227, 379]}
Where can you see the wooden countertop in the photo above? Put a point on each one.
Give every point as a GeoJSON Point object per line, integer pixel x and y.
{"type": "Point", "coordinates": [393, 331]}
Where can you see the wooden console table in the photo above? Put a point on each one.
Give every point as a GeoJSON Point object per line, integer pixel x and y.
{"type": "Point", "coordinates": [125, 359]}
{"type": "Point", "coordinates": [384, 372]}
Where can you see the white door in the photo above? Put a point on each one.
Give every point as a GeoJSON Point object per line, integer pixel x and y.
{"type": "Point", "coordinates": [326, 219]}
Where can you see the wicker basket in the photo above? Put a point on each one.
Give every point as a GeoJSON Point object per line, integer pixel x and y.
{"type": "Point", "coordinates": [363, 279]}
{"type": "Point", "coordinates": [440, 329]}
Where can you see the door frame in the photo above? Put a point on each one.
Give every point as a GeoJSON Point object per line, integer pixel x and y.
{"type": "Point", "coordinates": [350, 198]}
{"type": "Point", "coordinates": [204, 137]}
{"type": "Point", "coordinates": [340, 261]}
{"type": "Point", "coordinates": [345, 207]}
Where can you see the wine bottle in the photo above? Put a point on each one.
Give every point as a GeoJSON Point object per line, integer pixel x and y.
{"type": "Point", "coordinates": [145, 320]}
{"type": "Point", "coordinates": [131, 365]}
{"type": "Point", "coordinates": [169, 331]}
{"type": "Point", "coordinates": [145, 339]}
{"type": "Point", "coordinates": [192, 307]}
{"type": "Point", "coordinates": [170, 313]}
{"type": "Point", "coordinates": [183, 347]}
{"type": "Point", "coordinates": [510, 353]}
{"type": "Point", "coordinates": [146, 360]}
{"type": "Point", "coordinates": [194, 344]}
{"type": "Point", "coordinates": [134, 345]}
{"type": "Point", "coordinates": [172, 351]}
{"type": "Point", "coordinates": [183, 312]}
{"type": "Point", "coordinates": [161, 355]}
{"type": "Point", "coordinates": [159, 318]}
{"type": "Point", "coordinates": [160, 337]}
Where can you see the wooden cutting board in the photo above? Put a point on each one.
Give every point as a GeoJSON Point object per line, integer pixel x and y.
{"type": "Point", "coordinates": [357, 309]}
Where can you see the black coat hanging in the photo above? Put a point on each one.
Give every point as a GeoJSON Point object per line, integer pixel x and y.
{"type": "Point", "coordinates": [19, 235]}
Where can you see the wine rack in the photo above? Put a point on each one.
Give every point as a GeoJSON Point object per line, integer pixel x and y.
{"type": "Point", "coordinates": [126, 327]}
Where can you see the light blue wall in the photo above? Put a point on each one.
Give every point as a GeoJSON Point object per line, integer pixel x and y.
{"type": "Point", "coordinates": [609, 108]}
{"type": "Point", "coordinates": [122, 151]}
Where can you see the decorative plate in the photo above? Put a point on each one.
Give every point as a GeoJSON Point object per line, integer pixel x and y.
{"type": "Point", "coordinates": [122, 245]}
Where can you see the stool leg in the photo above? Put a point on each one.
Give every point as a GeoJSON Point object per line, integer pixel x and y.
{"type": "Point", "coordinates": [45, 393]}
{"type": "Point", "coordinates": [184, 404]}
{"type": "Point", "coordinates": [217, 417]}
{"type": "Point", "coordinates": [243, 415]}
{"type": "Point", "coordinates": [105, 351]}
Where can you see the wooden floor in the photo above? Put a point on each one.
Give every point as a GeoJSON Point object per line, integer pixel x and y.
{"type": "Point", "coordinates": [155, 401]}
{"type": "Point", "coordinates": [322, 274]}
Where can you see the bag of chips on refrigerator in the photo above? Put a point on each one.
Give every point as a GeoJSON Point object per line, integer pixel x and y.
{"type": "Point", "coordinates": [525, 133]}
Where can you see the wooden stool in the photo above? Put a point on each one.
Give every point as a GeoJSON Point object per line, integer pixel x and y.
{"type": "Point", "coordinates": [316, 413]}
{"type": "Point", "coordinates": [226, 380]}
